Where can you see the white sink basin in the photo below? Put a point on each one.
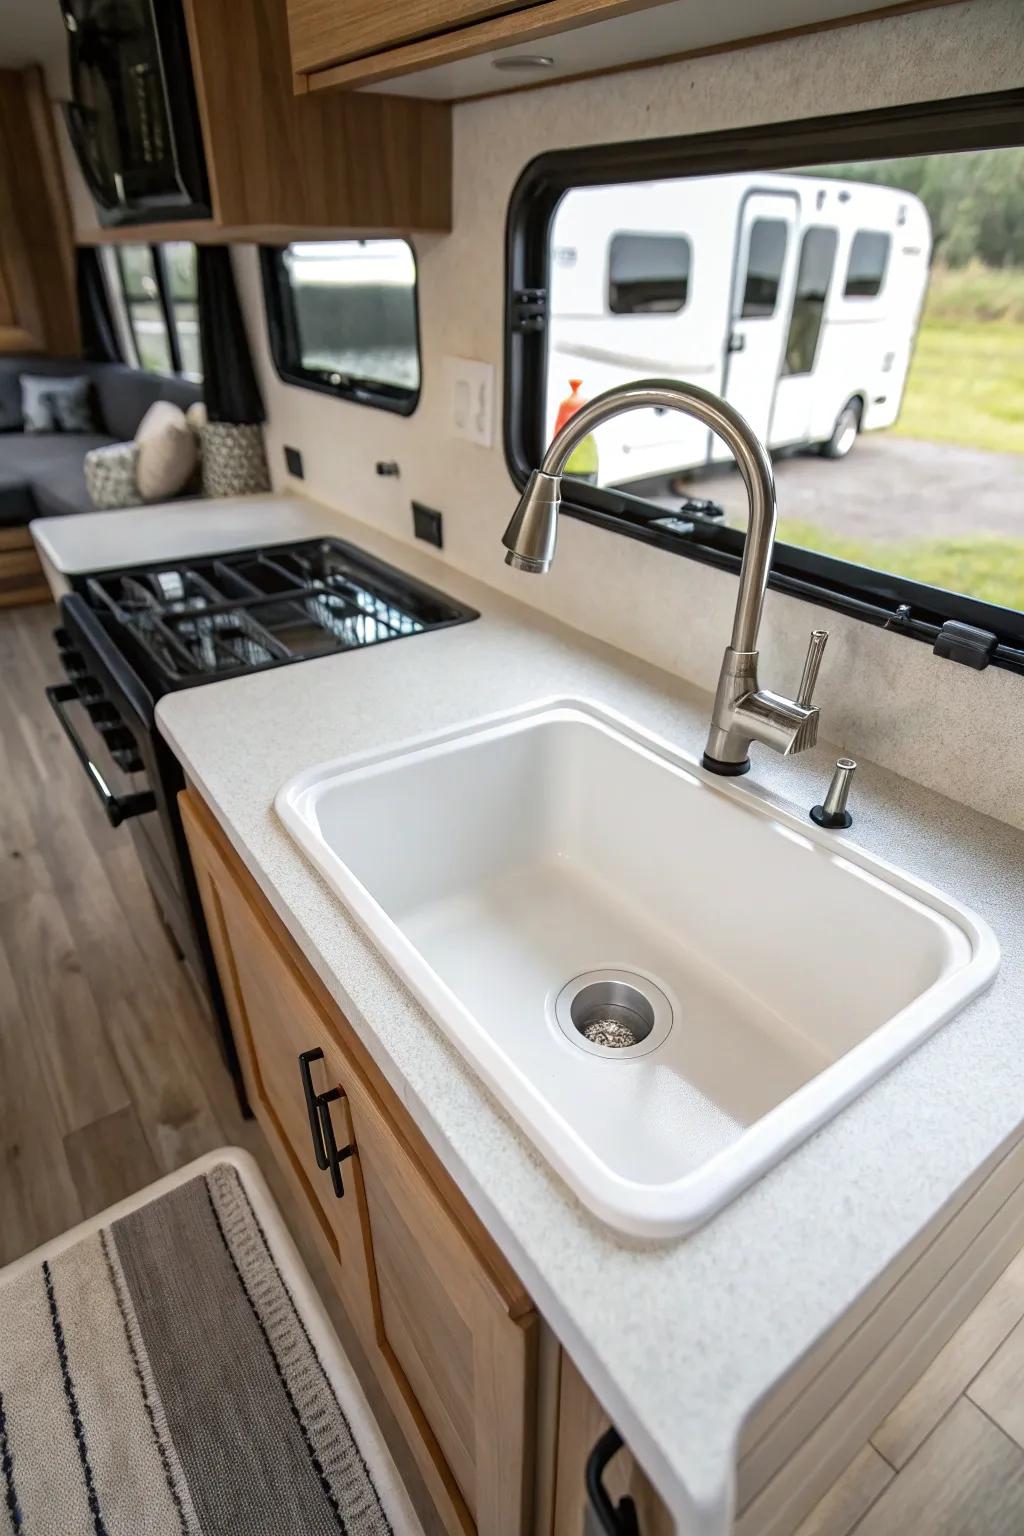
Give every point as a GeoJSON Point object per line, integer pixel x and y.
{"type": "Point", "coordinates": [506, 867]}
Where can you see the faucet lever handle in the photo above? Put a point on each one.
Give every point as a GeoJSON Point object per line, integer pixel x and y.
{"type": "Point", "coordinates": [812, 665]}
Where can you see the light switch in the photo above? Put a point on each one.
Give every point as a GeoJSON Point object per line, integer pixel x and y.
{"type": "Point", "coordinates": [470, 388]}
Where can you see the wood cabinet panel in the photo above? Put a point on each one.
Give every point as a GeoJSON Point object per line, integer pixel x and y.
{"type": "Point", "coordinates": [38, 305]}
{"type": "Point", "coordinates": [327, 31]}
{"type": "Point", "coordinates": [468, 1361]}
{"type": "Point", "coordinates": [277, 160]}
{"type": "Point", "coordinates": [581, 1423]}
{"type": "Point", "coordinates": [447, 1325]}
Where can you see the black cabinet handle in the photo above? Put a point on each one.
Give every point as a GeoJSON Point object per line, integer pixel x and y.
{"type": "Point", "coordinates": [612, 1519]}
{"type": "Point", "coordinates": [306, 1058]}
{"type": "Point", "coordinates": [335, 1157]}
{"type": "Point", "coordinates": [118, 808]}
{"type": "Point", "coordinates": [329, 1157]}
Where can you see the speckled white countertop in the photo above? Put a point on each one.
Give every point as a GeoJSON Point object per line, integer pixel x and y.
{"type": "Point", "coordinates": [680, 1340]}
{"type": "Point", "coordinates": [96, 541]}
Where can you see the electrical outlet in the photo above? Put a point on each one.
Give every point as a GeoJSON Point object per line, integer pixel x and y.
{"type": "Point", "coordinates": [293, 463]}
{"type": "Point", "coordinates": [426, 524]}
{"type": "Point", "coordinates": [470, 387]}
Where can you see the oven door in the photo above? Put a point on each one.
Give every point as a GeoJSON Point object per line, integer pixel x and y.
{"type": "Point", "coordinates": [102, 738]}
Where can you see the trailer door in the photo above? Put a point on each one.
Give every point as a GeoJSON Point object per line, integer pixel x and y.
{"type": "Point", "coordinates": [757, 330]}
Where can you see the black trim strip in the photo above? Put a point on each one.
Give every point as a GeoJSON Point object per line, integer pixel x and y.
{"type": "Point", "coordinates": [974, 122]}
{"type": "Point", "coordinates": [7, 1467]}
{"type": "Point", "coordinates": [69, 1392]}
{"type": "Point", "coordinates": [282, 333]}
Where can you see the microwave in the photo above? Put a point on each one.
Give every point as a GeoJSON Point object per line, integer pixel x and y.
{"type": "Point", "coordinates": [132, 115]}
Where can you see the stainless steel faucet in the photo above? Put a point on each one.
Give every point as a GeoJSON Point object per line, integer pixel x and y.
{"type": "Point", "coordinates": [743, 712]}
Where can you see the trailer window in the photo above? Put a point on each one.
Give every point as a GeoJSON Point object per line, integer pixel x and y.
{"type": "Point", "coordinates": [765, 257]}
{"type": "Point", "coordinates": [648, 274]}
{"type": "Point", "coordinates": [813, 276]}
{"type": "Point", "coordinates": [342, 319]}
{"type": "Point", "coordinates": [854, 288]}
{"type": "Point", "coordinates": [869, 257]}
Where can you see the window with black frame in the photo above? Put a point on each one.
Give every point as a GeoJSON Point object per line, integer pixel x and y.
{"type": "Point", "coordinates": [861, 306]}
{"type": "Point", "coordinates": [160, 303]}
{"type": "Point", "coordinates": [343, 319]}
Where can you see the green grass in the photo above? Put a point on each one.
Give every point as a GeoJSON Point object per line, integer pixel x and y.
{"type": "Point", "coordinates": [966, 386]}
{"type": "Point", "coordinates": [966, 381]}
{"type": "Point", "coordinates": [981, 565]}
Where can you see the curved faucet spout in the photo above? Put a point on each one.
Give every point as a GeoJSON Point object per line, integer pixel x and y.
{"type": "Point", "coordinates": [746, 448]}
{"type": "Point", "coordinates": [742, 712]}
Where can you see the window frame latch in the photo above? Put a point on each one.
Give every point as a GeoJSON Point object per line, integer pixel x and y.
{"type": "Point", "coordinates": [529, 310]}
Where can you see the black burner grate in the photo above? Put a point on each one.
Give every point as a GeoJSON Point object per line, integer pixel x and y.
{"type": "Point", "coordinates": [200, 619]}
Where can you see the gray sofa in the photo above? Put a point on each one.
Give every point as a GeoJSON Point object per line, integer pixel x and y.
{"type": "Point", "coordinates": [41, 472]}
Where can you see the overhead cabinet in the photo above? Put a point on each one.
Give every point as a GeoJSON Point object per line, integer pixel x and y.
{"type": "Point", "coordinates": [331, 30]}
{"type": "Point", "coordinates": [283, 166]}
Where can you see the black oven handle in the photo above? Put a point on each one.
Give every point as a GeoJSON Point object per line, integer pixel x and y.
{"type": "Point", "coordinates": [118, 808]}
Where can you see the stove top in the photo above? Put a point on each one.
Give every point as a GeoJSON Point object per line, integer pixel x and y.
{"type": "Point", "coordinates": [194, 621]}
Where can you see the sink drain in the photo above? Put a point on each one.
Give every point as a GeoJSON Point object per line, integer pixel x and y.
{"type": "Point", "coordinates": [616, 1014]}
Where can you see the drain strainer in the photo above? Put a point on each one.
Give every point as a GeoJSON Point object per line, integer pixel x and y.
{"type": "Point", "coordinates": [612, 1013]}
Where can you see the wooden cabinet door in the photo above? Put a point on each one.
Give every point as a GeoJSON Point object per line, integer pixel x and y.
{"type": "Point", "coordinates": [324, 32]}
{"type": "Point", "coordinates": [273, 1019]}
{"type": "Point", "coordinates": [581, 1423]}
{"type": "Point", "coordinates": [448, 1328]}
{"type": "Point", "coordinates": [461, 1335]}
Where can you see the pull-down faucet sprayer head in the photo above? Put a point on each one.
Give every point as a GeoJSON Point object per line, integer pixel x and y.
{"type": "Point", "coordinates": [529, 539]}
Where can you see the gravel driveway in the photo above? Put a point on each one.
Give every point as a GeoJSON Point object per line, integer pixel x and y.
{"type": "Point", "coordinates": [889, 489]}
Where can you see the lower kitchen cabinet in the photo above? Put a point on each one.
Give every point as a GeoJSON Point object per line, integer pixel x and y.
{"type": "Point", "coordinates": [446, 1324]}
{"type": "Point", "coordinates": [581, 1423]}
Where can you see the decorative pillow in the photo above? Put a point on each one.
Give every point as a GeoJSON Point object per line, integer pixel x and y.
{"type": "Point", "coordinates": [111, 476]}
{"type": "Point", "coordinates": [55, 404]}
{"type": "Point", "coordinates": [167, 451]}
{"type": "Point", "coordinates": [234, 463]}
{"type": "Point", "coordinates": [196, 416]}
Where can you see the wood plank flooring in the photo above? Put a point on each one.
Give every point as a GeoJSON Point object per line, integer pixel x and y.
{"type": "Point", "coordinates": [110, 1072]}
{"type": "Point", "coordinates": [110, 1076]}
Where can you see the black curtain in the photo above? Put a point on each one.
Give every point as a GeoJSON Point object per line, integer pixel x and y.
{"type": "Point", "coordinates": [100, 341]}
{"type": "Point", "coordinates": [229, 381]}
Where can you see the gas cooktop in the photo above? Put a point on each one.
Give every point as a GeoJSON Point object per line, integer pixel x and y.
{"type": "Point", "coordinates": [193, 621]}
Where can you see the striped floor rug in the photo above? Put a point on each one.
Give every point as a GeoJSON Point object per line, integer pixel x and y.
{"type": "Point", "coordinates": [157, 1378]}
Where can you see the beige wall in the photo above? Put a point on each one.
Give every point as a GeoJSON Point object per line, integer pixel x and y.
{"type": "Point", "coordinates": [883, 696]}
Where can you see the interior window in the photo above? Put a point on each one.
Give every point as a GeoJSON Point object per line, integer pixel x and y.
{"type": "Point", "coordinates": [865, 317]}
{"type": "Point", "coordinates": [180, 258]}
{"type": "Point", "coordinates": [145, 313]}
{"type": "Point", "coordinates": [342, 317]}
{"type": "Point", "coordinates": [159, 300]}
{"type": "Point", "coordinates": [813, 276]}
{"type": "Point", "coordinates": [765, 256]}
{"type": "Point", "coordinates": [648, 274]}
{"type": "Point", "coordinates": [869, 257]}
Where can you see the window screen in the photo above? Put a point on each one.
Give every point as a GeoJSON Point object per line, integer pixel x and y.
{"type": "Point", "coordinates": [343, 318]}
{"type": "Point", "coordinates": [869, 257]}
{"type": "Point", "coordinates": [817, 258]}
{"type": "Point", "coordinates": [648, 274]}
{"type": "Point", "coordinates": [765, 256]}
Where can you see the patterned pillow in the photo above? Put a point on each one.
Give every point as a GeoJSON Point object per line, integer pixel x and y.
{"type": "Point", "coordinates": [111, 478]}
{"type": "Point", "coordinates": [50, 403]}
{"type": "Point", "coordinates": [233, 460]}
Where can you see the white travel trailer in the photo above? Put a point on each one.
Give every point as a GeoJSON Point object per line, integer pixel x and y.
{"type": "Point", "coordinates": [796, 297]}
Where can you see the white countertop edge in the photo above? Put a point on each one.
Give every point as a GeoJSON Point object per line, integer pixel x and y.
{"type": "Point", "coordinates": [96, 541]}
